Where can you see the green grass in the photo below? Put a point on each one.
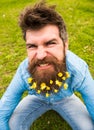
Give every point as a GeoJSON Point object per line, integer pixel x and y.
{"type": "Point", "coordinates": [79, 18]}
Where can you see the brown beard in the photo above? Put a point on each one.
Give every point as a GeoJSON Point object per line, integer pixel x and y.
{"type": "Point", "coordinates": [44, 76]}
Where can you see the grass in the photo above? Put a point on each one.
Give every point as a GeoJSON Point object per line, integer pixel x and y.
{"type": "Point", "coordinates": [79, 18]}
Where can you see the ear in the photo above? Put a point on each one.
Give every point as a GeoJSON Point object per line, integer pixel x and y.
{"type": "Point", "coordinates": [66, 46]}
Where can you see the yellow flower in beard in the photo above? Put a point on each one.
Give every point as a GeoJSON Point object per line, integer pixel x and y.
{"type": "Point", "coordinates": [47, 95]}
{"type": "Point", "coordinates": [67, 75]}
{"type": "Point", "coordinates": [34, 85]}
{"type": "Point", "coordinates": [30, 80]}
{"type": "Point", "coordinates": [43, 86]}
{"type": "Point", "coordinates": [38, 91]}
{"type": "Point", "coordinates": [65, 86]}
{"type": "Point", "coordinates": [58, 83]}
{"type": "Point", "coordinates": [63, 78]}
{"type": "Point", "coordinates": [51, 81]}
{"type": "Point", "coordinates": [47, 88]}
{"type": "Point", "coordinates": [60, 74]}
{"type": "Point", "coordinates": [55, 90]}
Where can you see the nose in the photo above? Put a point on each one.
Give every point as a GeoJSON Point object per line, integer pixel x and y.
{"type": "Point", "coordinates": [41, 53]}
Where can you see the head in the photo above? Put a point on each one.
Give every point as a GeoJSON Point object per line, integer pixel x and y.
{"type": "Point", "coordinates": [46, 40]}
{"type": "Point", "coordinates": [40, 15]}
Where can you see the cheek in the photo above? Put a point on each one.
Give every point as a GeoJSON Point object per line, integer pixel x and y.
{"type": "Point", "coordinates": [30, 55]}
{"type": "Point", "coordinates": [58, 53]}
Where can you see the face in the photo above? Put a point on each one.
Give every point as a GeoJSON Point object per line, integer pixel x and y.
{"type": "Point", "coordinates": [45, 42]}
{"type": "Point", "coordinates": [44, 49]}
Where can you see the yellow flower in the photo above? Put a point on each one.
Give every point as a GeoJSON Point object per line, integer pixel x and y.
{"type": "Point", "coordinates": [34, 85]}
{"type": "Point", "coordinates": [38, 91]}
{"type": "Point", "coordinates": [43, 86]}
{"type": "Point", "coordinates": [60, 74]}
{"type": "Point", "coordinates": [67, 75]}
{"type": "Point", "coordinates": [65, 86]}
{"type": "Point", "coordinates": [64, 78]}
{"type": "Point", "coordinates": [51, 81]}
{"type": "Point", "coordinates": [47, 88]}
{"type": "Point", "coordinates": [47, 94]}
{"type": "Point", "coordinates": [30, 80]}
{"type": "Point", "coordinates": [55, 90]}
{"type": "Point", "coordinates": [58, 83]}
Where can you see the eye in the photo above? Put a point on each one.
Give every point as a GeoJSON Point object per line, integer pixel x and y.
{"type": "Point", "coordinates": [51, 43]}
{"type": "Point", "coordinates": [31, 46]}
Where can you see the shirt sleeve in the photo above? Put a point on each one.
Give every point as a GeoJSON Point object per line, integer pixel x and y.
{"type": "Point", "coordinates": [87, 91]}
{"type": "Point", "coordinates": [11, 98]}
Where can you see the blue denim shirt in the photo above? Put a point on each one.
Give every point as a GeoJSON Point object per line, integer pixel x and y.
{"type": "Point", "coordinates": [80, 80]}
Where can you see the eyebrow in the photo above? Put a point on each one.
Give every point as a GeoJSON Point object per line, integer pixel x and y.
{"type": "Point", "coordinates": [30, 44]}
{"type": "Point", "coordinates": [50, 40]}
{"type": "Point", "coordinates": [27, 44]}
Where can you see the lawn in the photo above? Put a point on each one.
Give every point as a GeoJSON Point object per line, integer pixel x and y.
{"type": "Point", "coordinates": [79, 18]}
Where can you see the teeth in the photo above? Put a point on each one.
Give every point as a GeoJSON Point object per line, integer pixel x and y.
{"type": "Point", "coordinates": [43, 65]}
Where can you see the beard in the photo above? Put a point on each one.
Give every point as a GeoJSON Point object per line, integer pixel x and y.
{"type": "Point", "coordinates": [45, 75]}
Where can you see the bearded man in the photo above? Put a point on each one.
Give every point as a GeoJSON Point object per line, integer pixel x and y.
{"type": "Point", "coordinates": [51, 74]}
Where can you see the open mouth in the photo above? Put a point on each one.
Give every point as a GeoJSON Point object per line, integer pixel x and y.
{"type": "Point", "coordinates": [44, 66]}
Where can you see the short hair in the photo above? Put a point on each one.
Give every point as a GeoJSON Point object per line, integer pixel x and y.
{"type": "Point", "coordinates": [39, 15]}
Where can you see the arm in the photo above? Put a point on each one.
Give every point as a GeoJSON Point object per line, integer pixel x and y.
{"type": "Point", "coordinates": [81, 79]}
{"type": "Point", "coordinates": [87, 92]}
{"type": "Point", "coordinates": [11, 98]}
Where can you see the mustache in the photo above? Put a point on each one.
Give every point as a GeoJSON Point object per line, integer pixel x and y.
{"type": "Point", "coordinates": [47, 60]}
{"type": "Point", "coordinates": [35, 63]}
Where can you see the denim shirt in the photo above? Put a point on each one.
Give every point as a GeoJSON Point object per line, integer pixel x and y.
{"type": "Point", "coordinates": [80, 80]}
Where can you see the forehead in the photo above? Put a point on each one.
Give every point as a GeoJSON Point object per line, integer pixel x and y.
{"type": "Point", "coordinates": [47, 32]}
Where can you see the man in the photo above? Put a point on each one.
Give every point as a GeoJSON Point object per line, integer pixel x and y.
{"type": "Point", "coordinates": [51, 74]}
